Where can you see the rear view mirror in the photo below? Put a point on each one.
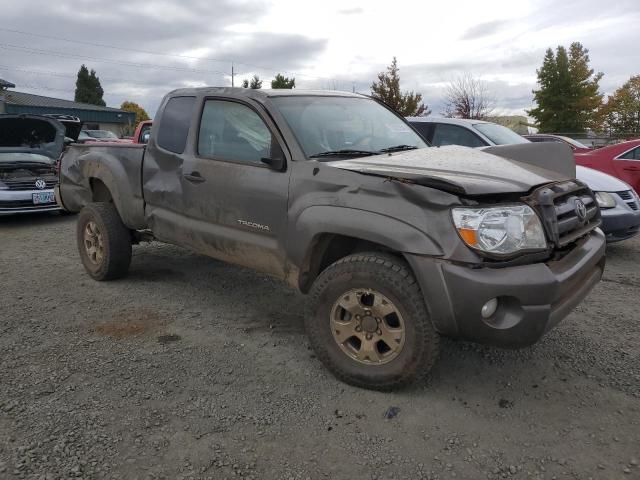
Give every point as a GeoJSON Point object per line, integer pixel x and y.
{"type": "Point", "coordinates": [276, 160]}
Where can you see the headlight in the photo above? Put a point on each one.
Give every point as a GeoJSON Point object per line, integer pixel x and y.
{"type": "Point", "coordinates": [605, 200]}
{"type": "Point", "coordinates": [500, 230]}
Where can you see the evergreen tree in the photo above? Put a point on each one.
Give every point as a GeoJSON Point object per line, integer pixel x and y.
{"type": "Point", "coordinates": [283, 82]}
{"type": "Point", "coordinates": [568, 97]}
{"type": "Point", "coordinates": [88, 88]}
{"type": "Point", "coordinates": [255, 83]}
{"type": "Point", "coordinates": [387, 89]}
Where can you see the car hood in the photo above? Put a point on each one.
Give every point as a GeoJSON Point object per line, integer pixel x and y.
{"type": "Point", "coordinates": [31, 134]}
{"type": "Point", "coordinates": [599, 181]}
{"type": "Point", "coordinates": [455, 169]}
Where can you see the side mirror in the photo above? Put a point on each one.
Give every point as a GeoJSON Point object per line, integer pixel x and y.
{"type": "Point", "coordinates": [276, 161]}
{"type": "Point", "coordinates": [145, 137]}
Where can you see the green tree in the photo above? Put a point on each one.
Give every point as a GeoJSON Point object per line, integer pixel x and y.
{"type": "Point", "coordinates": [141, 116]}
{"type": "Point", "coordinates": [568, 98]}
{"type": "Point", "coordinates": [255, 83]}
{"type": "Point", "coordinates": [283, 82]}
{"type": "Point", "coordinates": [621, 112]}
{"type": "Point", "coordinates": [387, 90]}
{"type": "Point", "coordinates": [88, 88]}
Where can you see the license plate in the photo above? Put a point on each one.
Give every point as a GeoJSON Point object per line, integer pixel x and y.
{"type": "Point", "coordinates": [43, 197]}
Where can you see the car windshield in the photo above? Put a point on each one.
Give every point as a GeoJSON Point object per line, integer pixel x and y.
{"type": "Point", "coordinates": [498, 134]}
{"type": "Point", "coordinates": [18, 157]}
{"type": "Point", "coordinates": [345, 126]}
{"type": "Point", "coordinates": [100, 134]}
{"type": "Point", "coordinates": [574, 142]}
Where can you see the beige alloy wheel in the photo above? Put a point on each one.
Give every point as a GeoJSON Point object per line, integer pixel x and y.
{"type": "Point", "coordinates": [93, 243]}
{"type": "Point", "coordinates": [367, 327]}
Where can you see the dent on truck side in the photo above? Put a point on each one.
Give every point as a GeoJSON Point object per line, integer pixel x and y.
{"type": "Point", "coordinates": [117, 167]}
{"type": "Point", "coordinates": [403, 217]}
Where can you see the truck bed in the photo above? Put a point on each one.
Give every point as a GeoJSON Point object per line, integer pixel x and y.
{"type": "Point", "coordinates": [117, 166]}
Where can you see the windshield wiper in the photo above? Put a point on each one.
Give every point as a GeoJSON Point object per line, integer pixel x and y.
{"type": "Point", "coordinates": [398, 148]}
{"type": "Point", "coordinates": [344, 153]}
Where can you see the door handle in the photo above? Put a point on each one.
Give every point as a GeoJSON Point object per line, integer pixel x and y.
{"type": "Point", "coordinates": [194, 177]}
{"type": "Point", "coordinates": [631, 169]}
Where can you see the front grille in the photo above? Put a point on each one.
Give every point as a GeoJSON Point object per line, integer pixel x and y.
{"type": "Point", "coordinates": [30, 183]}
{"type": "Point", "coordinates": [23, 204]}
{"type": "Point", "coordinates": [629, 198]}
{"type": "Point", "coordinates": [557, 205]}
{"type": "Point", "coordinates": [626, 195]}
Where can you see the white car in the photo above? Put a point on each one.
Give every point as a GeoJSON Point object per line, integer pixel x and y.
{"type": "Point", "coordinates": [616, 199]}
{"type": "Point", "coordinates": [30, 146]}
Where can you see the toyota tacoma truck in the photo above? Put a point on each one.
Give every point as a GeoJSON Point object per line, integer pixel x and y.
{"type": "Point", "coordinates": [397, 243]}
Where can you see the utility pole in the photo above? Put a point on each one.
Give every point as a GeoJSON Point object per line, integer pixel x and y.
{"type": "Point", "coordinates": [232, 74]}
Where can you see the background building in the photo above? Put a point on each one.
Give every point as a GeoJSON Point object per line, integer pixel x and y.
{"type": "Point", "coordinates": [93, 117]}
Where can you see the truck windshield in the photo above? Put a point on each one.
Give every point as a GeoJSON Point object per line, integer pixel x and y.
{"type": "Point", "coordinates": [345, 126]}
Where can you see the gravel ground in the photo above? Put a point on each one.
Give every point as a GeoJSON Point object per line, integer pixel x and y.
{"type": "Point", "coordinates": [191, 368]}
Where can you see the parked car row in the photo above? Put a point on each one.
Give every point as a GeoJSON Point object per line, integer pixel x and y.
{"type": "Point", "coordinates": [617, 199]}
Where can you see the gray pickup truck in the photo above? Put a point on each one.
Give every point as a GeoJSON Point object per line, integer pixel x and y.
{"type": "Point", "coordinates": [397, 242]}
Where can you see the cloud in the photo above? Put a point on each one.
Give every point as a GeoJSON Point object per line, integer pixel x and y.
{"type": "Point", "coordinates": [351, 11]}
{"type": "Point", "coordinates": [484, 29]}
{"type": "Point", "coordinates": [195, 28]}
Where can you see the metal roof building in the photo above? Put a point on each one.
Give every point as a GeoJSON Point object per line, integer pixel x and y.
{"type": "Point", "coordinates": [92, 116]}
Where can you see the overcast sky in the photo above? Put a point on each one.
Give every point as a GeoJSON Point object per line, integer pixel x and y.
{"type": "Point", "coordinates": [339, 44]}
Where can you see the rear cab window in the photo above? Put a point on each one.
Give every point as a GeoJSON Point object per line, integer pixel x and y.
{"type": "Point", "coordinates": [174, 127]}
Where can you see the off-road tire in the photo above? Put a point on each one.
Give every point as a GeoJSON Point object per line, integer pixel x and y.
{"type": "Point", "coordinates": [392, 277]}
{"type": "Point", "coordinates": [116, 241]}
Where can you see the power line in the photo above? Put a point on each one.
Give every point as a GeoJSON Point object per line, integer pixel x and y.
{"type": "Point", "coordinates": [53, 73]}
{"type": "Point", "coordinates": [39, 51]}
{"type": "Point", "coordinates": [174, 55]}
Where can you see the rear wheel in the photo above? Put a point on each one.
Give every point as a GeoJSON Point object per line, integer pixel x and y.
{"type": "Point", "coordinates": [370, 326]}
{"type": "Point", "coordinates": [104, 242]}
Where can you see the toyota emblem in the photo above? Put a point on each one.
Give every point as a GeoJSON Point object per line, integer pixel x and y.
{"type": "Point", "coordinates": [41, 184]}
{"type": "Point", "coordinates": [581, 210]}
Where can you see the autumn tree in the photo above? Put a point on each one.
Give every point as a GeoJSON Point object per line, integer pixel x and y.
{"type": "Point", "coordinates": [88, 88]}
{"type": "Point", "coordinates": [468, 97]}
{"type": "Point", "coordinates": [621, 112]}
{"type": "Point", "coordinates": [141, 116]}
{"type": "Point", "coordinates": [387, 90]}
{"type": "Point", "coordinates": [281, 81]}
{"type": "Point", "coordinates": [568, 96]}
{"type": "Point", "coordinates": [255, 83]}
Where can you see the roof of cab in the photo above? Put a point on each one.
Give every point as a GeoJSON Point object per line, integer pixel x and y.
{"type": "Point", "coordinates": [259, 93]}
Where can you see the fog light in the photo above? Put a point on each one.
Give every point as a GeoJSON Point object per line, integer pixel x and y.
{"type": "Point", "coordinates": [489, 308]}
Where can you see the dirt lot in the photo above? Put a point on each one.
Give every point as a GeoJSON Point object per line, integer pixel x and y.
{"type": "Point", "coordinates": [191, 368]}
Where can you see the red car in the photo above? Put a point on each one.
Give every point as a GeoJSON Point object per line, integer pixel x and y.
{"type": "Point", "coordinates": [621, 161]}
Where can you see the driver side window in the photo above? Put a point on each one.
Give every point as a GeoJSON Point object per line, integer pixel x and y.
{"type": "Point", "coordinates": [232, 131]}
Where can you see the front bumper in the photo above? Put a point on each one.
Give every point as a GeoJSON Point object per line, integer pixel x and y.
{"type": "Point", "coordinates": [620, 223]}
{"type": "Point", "coordinates": [532, 298]}
{"type": "Point", "coordinates": [21, 201]}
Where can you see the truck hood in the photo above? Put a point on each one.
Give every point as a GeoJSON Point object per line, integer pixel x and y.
{"type": "Point", "coordinates": [31, 134]}
{"type": "Point", "coordinates": [455, 169]}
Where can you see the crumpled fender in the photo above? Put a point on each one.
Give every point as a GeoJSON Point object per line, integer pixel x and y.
{"type": "Point", "coordinates": [362, 224]}
{"type": "Point", "coordinates": [120, 174]}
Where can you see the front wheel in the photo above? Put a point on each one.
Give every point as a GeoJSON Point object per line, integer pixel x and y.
{"type": "Point", "coordinates": [370, 325]}
{"type": "Point", "coordinates": [104, 242]}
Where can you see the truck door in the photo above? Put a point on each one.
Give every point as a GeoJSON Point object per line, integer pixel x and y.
{"type": "Point", "coordinates": [234, 204]}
